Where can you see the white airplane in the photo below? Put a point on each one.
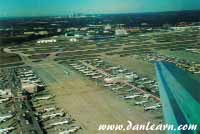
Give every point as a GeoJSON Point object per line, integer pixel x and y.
{"type": "Point", "coordinates": [44, 97]}
{"type": "Point", "coordinates": [72, 64]}
{"type": "Point", "coordinates": [29, 75]}
{"type": "Point", "coordinates": [88, 72]}
{"type": "Point", "coordinates": [6, 130]}
{"type": "Point", "coordinates": [155, 107]}
{"type": "Point", "coordinates": [149, 82]}
{"type": "Point", "coordinates": [117, 88]}
{"type": "Point", "coordinates": [5, 93]}
{"type": "Point", "coordinates": [84, 70]}
{"type": "Point", "coordinates": [5, 118]}
{"type": "Point", "coordinates": [97, 77]}
{"type": "Point", "coordinates": [45, 110]}
{"type": "Point", "coordinates": [72, 130]}
{"type": "Point", "coordinates": [108, 85]}
{"type": "Point", "coordinates": [36, 81]}
{"type": "Point", "coordinates": [91, 74]}
{"type": "Point", "coordinates": [80, 68]}
{"type": "Point", "coordinates": [132, 96]}
{"type": "Point", "coordinates": [140, 102]}
{"type": "Point", "coordinates": [51, 116]}
{"type": "Point", "coordinates": [30, 71]}
{"type": "Point", "coordinates": [146, 96]}
{"type": "Point", "coordinates": [4, 100]}
{"type": "Point", "coordinates": [58, 124]}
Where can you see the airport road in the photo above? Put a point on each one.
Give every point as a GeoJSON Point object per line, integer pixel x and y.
{"type": "Point", "coordinates": [88, 103]}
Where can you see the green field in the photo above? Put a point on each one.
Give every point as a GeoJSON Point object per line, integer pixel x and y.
{"type": "Point", "coordinates": [6, 58]}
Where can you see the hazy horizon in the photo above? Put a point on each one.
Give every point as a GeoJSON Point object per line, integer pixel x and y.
{"type": "Point", "coordinates": [31, 8]}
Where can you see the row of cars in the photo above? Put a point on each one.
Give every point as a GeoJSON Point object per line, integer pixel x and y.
{"type": "Point", "coordinates": [126, 84]}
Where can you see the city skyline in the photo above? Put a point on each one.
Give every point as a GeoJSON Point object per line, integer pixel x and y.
{"type": "Point", "coordinates": [19, 8]}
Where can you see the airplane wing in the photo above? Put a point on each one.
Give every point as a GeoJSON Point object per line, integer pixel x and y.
{"type": "Point", "coordinates": [180, 96]}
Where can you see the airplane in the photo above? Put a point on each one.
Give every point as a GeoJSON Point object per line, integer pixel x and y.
{"type": "Point", "coordinates": [36, 81]}
{"type": "Point", "coordinates": [51, 116]}
{"type": "Point", "coordinates": [30, 71]}
{"type": "Point", "coordinates": [96, 77]}
{"type": "Point", "coordinates": [140, 102]}
{"type": "Point", "coordinates": [72, 64]}
{"type": "Point", "coordinates": [132, 96]}
{"type": "Point", "coordinates": [143, 79]}
{"type": "Point", "coordinates": [88, 72]}
{"type": "Point", "coordinates": [108, 85]}
{"type": "Point", "coordinates": [5, 118]}
{"type": "Point", "coordinates": [146, 96]}
{"type": "Point", "coordinates": [117, 88]}
{"type": "Point", "coordinates": [80, 68]}
{"type": "Point", "coordinates": [58, 124]}
{"type": "Point", "coordinates": [121, 70]}
{"type": "Point", "coordinates": [4, 100]}
{"type": "Point", "coordinates": [91, 74]}
{"type": "Point", "coordinates": [72, 130]}
{"type": "Point", "coordinates": [29, 75]}
{"type": "Point", "coordinates": [155, 107]}
{"type": "Point", "coordinates": [4, 92]}
{"type": "Point", "coordinates": [6, 130]}
{"type": "Point", "coordinates": [48, 109]}
{"type": "Point", "coordinates": [44, 97]}
{"type": "Point", "coordinates": [149, 82]}
{"type": "Point", "coordinates": [84, 70]}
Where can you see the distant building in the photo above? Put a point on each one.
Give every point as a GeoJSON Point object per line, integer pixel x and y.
{"type": "Point", "coordinates": [42, 33]}
{"type": "Point", "coordinates": [107, 27]}
{"type": "Point", "coordinates": [121, 32]}
{"type": "Point", "coordinates": [59, 30]}
{"type": "Point", "coordinates": [36, 33]}
{"type": "Point", "coordinates": [29, 87]}
{"type": "Point", "coordinates": [73, 40]}
{"type": "Point", "coordinates": [29, 33]}
{"type": "Point", "coordinates": [46, 41]}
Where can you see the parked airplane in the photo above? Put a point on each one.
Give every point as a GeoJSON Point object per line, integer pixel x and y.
{"type": "Point", "coordinates": [6, 130]}
{"type": "Point", "coordinates": [72, 130]}
{"type": "Point", "coordinates": [108, 85]}
{"type": "Point", "coordinates": [140, 102]}
{"type": "Point", "coordinates": [44, 97]}
{"type": "Point", "coordinates": [116, 88]}
{"type": "Point", "coordinates": [4, 100]}
{"type": "Point", "coordinates": [5, 93]}
{"type": "Point", "coordinates": [97, 77]}
{"type": "Point", "coordinates": [155, 107]}
{"type": "Point", "coordinates": [5, 118]}
{"type": "Point", "coordinates": [45, 110]}
{"type": "Point", "coordinates": [147, 96]}
{"type": "Point", "coordinates": [51, 116]}
{"type": "Point", "coordinates": [58, 124]}
{"type": "Point", "coordinates": [132, 96]}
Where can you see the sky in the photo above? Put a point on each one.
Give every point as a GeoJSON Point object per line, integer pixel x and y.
{"type": "Point", "coordinates": [13, 8]}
